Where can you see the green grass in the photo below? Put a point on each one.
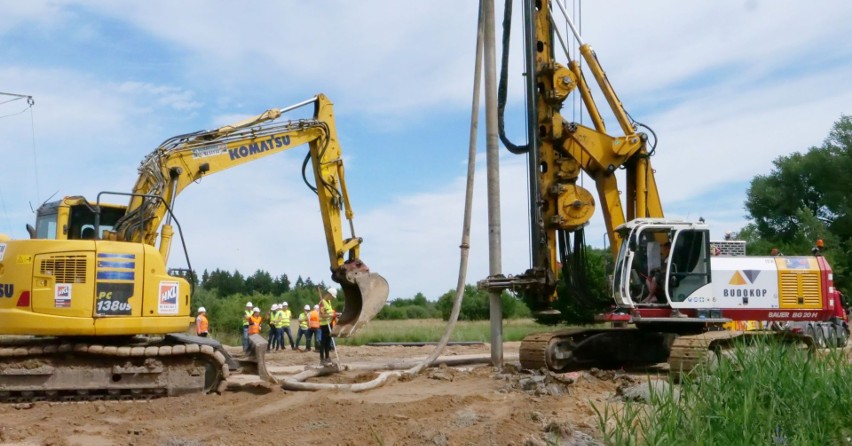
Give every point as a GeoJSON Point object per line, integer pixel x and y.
{"type": "Point", "coordinates": [420, 330]}
{"type": "Point", "coordinates": [430, 330]}
{"type": "Point", "coordinates": [768, 394]}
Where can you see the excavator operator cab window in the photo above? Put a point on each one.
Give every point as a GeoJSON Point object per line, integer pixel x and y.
{"type": "Point", "coordinates": [81, 222]}
{"type": "Point", "coordinates": [88, 233]}
{"type": "Point", "coordinates": [689, 268]}
{"type": "Point", "coordinates": [47, 221]}
{"type": "Point", "coordinates": [51, 221]}
{"type": "Point", "coordinates": [46, 225]}
{"type": "Point", "coordinates": [648, 268]}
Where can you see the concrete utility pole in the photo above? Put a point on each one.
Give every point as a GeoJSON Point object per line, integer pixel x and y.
{"type": "Point", "coordinates": [495, 266]}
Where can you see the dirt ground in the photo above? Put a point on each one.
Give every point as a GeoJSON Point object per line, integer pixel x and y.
{"type": "Point", "coordinates": [471, 404]}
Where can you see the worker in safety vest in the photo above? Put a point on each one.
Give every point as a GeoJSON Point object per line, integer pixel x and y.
{"type": "Point", "coordinates": [246, 321]}
{"type": "Point", "coordinates": [274, 329]}
{"type": "Point", "coordinates": [286, 318]}
{"type": "Point", "coordinates": [326, 315]}
{"type": "Point", "coordinates": [254, 322]}
{"type": "Point", "coordinates": [304, 330]}
{"type": "Point", "coordinates": [202, 327]}
{"type": "Point", "coordinates": [314, 326]}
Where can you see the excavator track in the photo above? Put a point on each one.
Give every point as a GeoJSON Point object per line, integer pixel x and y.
{"type": "Point", "coordinates": [57, 370]}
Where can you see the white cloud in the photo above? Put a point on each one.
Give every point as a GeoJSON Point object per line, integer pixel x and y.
{"type": "Point", "coordinates": [164, 95]}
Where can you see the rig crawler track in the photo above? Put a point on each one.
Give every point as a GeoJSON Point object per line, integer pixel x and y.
{"type": "Point", "coordinates": [541, 350]}
{"type": "Point", "coordinates": [631, 347]}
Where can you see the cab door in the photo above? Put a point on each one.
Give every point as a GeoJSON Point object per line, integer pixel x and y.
{"type": "Point", "coordinates": [688, 273]}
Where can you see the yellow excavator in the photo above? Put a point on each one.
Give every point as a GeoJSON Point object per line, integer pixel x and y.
{"type": "Point", "coordinates": [90, 289]}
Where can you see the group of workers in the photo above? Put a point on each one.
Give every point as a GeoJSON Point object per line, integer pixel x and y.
{"type": "Point", "coordinates": [314, 323]}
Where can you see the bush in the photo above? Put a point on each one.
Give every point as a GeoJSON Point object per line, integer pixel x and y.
{"type": "Point", "coordinates": [476, 306]}
{"type": "Point", "coordinates": [391, 313]}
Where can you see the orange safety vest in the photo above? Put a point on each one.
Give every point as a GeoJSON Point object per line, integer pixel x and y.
{"type": "Point", "coordinates": [201, 325]}
{"type": "Point", "coordinates": [313, 319]}
{"type": "Point", "coordinates": [254, 324]}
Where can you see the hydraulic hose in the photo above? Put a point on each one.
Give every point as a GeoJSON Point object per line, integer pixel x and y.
{"type": "Point", "coordinates": [296, 382]}
{"type": "Point", "coordinates": [502, 87]}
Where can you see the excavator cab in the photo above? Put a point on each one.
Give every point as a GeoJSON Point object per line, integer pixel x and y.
{"type": "Point", "coordinates": [662, 262]}
{"type": "Point", "coordinates": [73, 218]}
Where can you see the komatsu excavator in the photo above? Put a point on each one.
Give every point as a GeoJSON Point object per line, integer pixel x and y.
{"type": "Point", "coordinates": [676, 301]}
{"type": "Point", "coordinates": [90, 286]}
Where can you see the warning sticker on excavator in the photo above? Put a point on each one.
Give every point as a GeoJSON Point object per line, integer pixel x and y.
{"type": "Point", "coordinates": [62, 295]}
{"type": "Point", "coordinates": [2, 251]}
{"type": "Point", "coordinates": [168, 298]}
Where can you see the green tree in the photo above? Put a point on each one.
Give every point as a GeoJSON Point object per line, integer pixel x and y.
{"type": "Point", "coordinates": [281, 285]}
{"type": "Point", "coordinates": [580, 303]}
{"type": "Point", "coordinates": [224, 282]}
{"type": "Point", "coordinates": [261, 282]}
{"type": "Point", "coordinates": [804, 198]}
{"type": "Point", "coordinates": [420, 300]}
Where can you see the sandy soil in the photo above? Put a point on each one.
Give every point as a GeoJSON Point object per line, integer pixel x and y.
{"type": "Point", "coordinates": [472, 404]}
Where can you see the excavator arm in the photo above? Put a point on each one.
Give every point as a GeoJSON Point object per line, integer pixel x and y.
{"type": "Point", "coordinates": [184, 159]}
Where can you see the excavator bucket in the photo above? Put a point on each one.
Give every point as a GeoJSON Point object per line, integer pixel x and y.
{"type": "Point", "coordinates": [365, 295]}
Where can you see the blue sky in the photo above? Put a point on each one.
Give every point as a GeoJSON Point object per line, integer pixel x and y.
{"type": "Point", "coordinates": [727, 85]}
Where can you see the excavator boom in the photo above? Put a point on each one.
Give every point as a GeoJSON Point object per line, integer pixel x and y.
{"type": "Point", "coordinates": [184, 159]}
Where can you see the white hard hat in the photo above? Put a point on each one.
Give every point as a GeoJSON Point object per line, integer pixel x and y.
{"type": "Point", "coordinates": [274, 307]}
{"type": "Point", "coordinates": [256, 310]}
{"type": "Point", "coordinates": [248, 304]}
{"type": "Point", "coordinates": [316, 307]}
{"type": "Point", "coordinates": [307, 308]}
{"type": "Point", "coordinates": [201, 310]}
{"type": "Point", "coordinates": [285, 304]}
{"type": "Point", "coordinates": [332, 291]}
